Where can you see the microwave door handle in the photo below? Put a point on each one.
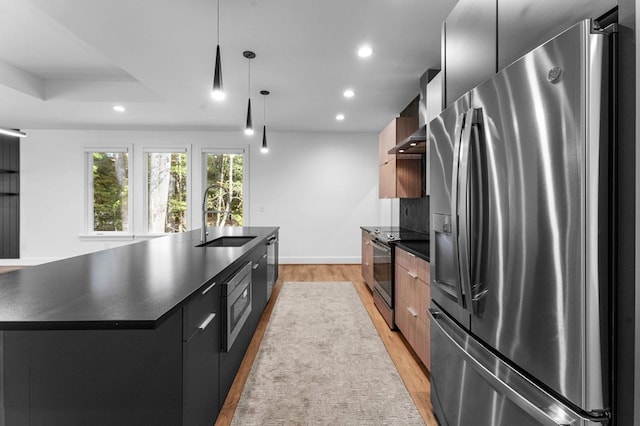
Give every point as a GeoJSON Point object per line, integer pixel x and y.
{"type": "Point", "coordinates": [463, 209]}
{"type": "Point", "coordinates": [454, 204]}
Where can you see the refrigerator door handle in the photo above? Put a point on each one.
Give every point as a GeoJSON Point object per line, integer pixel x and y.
{"type": "Point", "coordinates": [463, 210]}
{"type": "Point", "coordinates": [455, 177]}
{"type": "Point", "coordinates": [505, 380]}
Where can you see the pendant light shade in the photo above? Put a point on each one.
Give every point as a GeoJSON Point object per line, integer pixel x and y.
{"type": "Point", "coordinates": [264, 147]}
{"type": "Point", "coordinates": [217, 92]}
{"type": "Point", "coordinates": [248, 128]}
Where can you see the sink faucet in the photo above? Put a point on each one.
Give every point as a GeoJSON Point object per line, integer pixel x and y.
{"type": "Point", "coordinates": [203, 232]}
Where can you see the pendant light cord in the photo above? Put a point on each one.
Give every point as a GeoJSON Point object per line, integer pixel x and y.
{"type": "Point", "coordinates": [218, 27]}
{"type": "Point", "coordinates": [249, 79]}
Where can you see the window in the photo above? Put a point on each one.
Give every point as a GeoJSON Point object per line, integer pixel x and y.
{"type": "Point", "coordinates": [166, 191]}
{"type": "Point", "coordinates": [108, 190]}
{"type": "Point", "coordinates": [225, 178]}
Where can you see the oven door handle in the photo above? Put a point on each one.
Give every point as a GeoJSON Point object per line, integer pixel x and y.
{"type": "Point", "coordinates": [381, 247]}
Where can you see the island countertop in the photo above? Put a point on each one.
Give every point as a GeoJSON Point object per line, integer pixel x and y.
{"type": "Point", "coordinates": [134, 286]}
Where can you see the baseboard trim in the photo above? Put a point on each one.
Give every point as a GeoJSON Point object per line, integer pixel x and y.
{"type": "Point", "coordinates": [320, 260]}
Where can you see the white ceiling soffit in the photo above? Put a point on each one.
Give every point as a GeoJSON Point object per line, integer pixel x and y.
{"type": "Point", "coordinates": [65, 63]}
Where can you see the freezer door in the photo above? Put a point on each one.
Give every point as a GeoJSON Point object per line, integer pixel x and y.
{"type": "Point", "coordinates": [445, 133]}
{"type": "Point", "coordinates": [540, 297]}
{"type": "Point", "coordinates": [471, 386]}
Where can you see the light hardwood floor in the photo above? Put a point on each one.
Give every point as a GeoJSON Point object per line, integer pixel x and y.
{"type": "Point", "coordinates": [412, 371]}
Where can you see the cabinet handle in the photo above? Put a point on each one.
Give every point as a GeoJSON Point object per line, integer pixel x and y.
{"type": "Point", "coordinates": [412, 275]}
{"type": "Point", "coordinates": [412, 312]}
{"type": "Point", "coordinates": [206, 322]}
{"type": "Point", "coordinates": [264, 256]}
{"type": "Point", "coordinates": [256, 266]}
{"type": "Point", "coordinates": [410, 254]}
{"type": "Point", "coordinates": [206, 290]}
{"type": "Point", "coordinates": [366, 263]}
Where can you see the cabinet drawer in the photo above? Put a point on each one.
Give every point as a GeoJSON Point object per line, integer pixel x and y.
{"type": "Point", "coordinates": [423, 270]}
{"type": "Point", "coordinates": [198, 311]}
{"type": "Point", "coordinates": [407, 260]}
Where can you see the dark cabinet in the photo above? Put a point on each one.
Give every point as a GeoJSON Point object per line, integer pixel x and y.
{"type": "Point", "coordinates": [524, 25]}
{"type": "Point", "coordinates": [201, 357]}
{"type": "Point", "coordinates": [9, 197]}
{"type": "Point", "coordinates": [469, 46]}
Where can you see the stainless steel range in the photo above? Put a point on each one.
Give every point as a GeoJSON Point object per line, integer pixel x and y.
{"type": "Point", "coordinates": [382, 241]}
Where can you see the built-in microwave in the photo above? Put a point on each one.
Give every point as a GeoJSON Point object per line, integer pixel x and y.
{"type": "Point", "coordinates": [236, 296]}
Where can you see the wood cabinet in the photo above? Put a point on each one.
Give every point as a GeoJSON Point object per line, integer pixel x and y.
{"type": "Point", "coordinates": [367, 259]}
{"type": "Point", "coordinates": [412, 302]}
{"type": "Point", "coordinates": [400, 176]}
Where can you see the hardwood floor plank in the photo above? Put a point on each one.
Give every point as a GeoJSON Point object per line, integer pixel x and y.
{"type": "Point", "coordinates": [413, 373]}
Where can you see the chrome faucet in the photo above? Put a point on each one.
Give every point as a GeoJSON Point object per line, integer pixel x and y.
{"type": "Point", "coordinates": [203, 232]}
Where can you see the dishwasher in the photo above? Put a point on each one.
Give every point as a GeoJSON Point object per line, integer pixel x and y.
{"type": "Point", "coordinates": [272, 263]}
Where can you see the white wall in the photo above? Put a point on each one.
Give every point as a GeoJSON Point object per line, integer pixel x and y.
{"type": "Point", "coordinates": [318, 187]}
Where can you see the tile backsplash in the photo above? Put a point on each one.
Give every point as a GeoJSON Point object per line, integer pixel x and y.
{"type": "Point", "coordinates": [414, 214]}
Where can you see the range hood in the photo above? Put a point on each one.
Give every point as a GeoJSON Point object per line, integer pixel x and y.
{"type": "Point", "coordinates": [414, 144]}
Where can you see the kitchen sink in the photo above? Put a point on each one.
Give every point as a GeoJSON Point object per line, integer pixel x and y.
{"type": "Point", "coordinates": [227, 242]}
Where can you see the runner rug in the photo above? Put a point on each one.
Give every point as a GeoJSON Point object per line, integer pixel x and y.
{"type": "Point", "coordinates": [321, 361]}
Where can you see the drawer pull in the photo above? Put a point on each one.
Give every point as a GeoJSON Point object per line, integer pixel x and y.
{"type": "Point", "coordinates": [264, 256]}
{"type": "Point", "coordinates": [206, 322]}
{"type": "Point", "coordinates": [412, 312]}
{"type": "Point", "coordinates": [256, 266]}
{"type": "Point", "coordinates": [410, 254]}
{"type": "Point", "coordinates": [206, 290]}
{"type": "Point", "coordinates": [412, 275]}
{"type": "Point", "coordinates": [366, 263]}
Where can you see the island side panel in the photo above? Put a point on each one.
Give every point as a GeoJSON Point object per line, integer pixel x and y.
{"type": "Point", "coordinates": [97, 377]}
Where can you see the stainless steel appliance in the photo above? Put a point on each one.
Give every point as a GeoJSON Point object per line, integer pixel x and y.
{"type": "Point", "coordinates": [236, 295]}
{"type": "Point", "coordinates": [272, 263]}
{"type": "Point", "coordinates": [520, 178]}
{"type": "Point", "coordinates": [383, 280]}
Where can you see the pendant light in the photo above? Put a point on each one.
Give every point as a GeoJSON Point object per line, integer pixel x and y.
{"type": "Point", "coordinates": [218, 93]}
{"type": "Point", "coordinates": [264, 148]}
{"type": "Point", "coordinates": [248, 128]}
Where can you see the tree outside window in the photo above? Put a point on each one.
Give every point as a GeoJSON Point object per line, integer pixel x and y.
{"type": "Point", "coordinates": [166, 192]}
{"type": "Point", "coordinates": [225, 199]}
{"type": "Point", "coordinates": [110, 201]}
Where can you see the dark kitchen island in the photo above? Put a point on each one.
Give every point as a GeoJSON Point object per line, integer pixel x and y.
{"type": "Point", "coordinates": [130, 335]}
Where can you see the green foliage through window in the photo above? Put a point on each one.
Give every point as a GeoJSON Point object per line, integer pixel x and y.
{"type": "Point", "coordinates": [110, 191]}
{"type": "Point", "coordinates": [225, 200]}
{"type": "Point", "coordinates": [166, 192]}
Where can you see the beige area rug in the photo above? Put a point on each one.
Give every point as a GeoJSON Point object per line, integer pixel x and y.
{"type": "Point", "coordinates": [321, 362]}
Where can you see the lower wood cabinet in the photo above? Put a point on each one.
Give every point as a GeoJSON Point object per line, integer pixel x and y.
{"type": "Point", "coordinates": [367, 259]}
{"type": "Point", "coordinates": [412, 302]}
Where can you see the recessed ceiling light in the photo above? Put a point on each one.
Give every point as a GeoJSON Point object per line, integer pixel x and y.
{"type": "Point", "coordinates": [413, 144]}
{"type": "Point", "coordinates": [365, 51]}
{"type": "Point", "coordinates": [119, 108]}
{"type": "Point", "coordinates": [349, 93]}
{"type": "Point", "coordinates": [340, 117]}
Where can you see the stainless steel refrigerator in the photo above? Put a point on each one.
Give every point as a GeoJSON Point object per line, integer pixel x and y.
{"type": "Point", "coordinates": [520, 314]}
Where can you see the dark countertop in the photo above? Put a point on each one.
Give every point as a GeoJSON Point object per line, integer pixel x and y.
{"type": "Point", "coordinates": [135, 286]}
{"type": "Point", "coordinates": [419, 248]}
{"type": "Point", "coordinates": [412, 241]}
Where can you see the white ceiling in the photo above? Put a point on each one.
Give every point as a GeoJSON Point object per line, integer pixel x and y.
{"type": "Point", "coordinates": [65, 63]}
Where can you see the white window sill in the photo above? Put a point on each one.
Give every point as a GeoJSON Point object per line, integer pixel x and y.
{"type": "Point", "coordinates": [110, 236]}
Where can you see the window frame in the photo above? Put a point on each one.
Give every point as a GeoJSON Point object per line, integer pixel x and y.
{"type": "Point", "coordinates": [245, 177]}
{"type": "Point", "coordinates": [145, 190]}
{"type": "Point", "coordinates": [89, 184]}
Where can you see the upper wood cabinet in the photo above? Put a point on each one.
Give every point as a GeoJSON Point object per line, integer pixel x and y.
{"type": "Point", "coordinates": [400, 176]}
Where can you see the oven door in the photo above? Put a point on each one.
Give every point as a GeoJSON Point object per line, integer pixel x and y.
{"type": "Point", "coordinates": [383, 272]}
{"type": "Point", "coordinates": [237, 303]}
